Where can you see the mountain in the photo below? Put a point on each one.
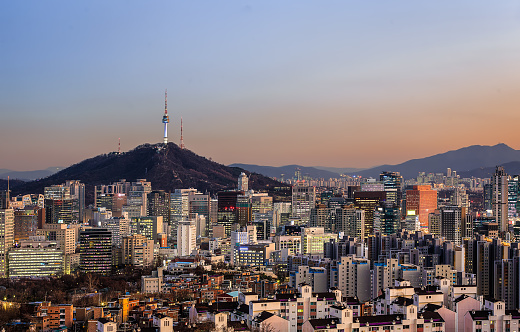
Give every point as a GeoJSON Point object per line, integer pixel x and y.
{"type": "Point", "coordinates": [340, 170]}
{"type": "Point", "coordinates": [167, 167]}
{"type": "Point", "coordinates": [28, 175]}
{"type": "Point", "coordinates": [287, 171]}
{"type": "Point", "coordinates": [461, 160]}
{"type": "Point", "coordinates": [512, 168]}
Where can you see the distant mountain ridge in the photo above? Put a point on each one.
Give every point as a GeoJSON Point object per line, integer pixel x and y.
{"type": "Point", "coordinates": [461, 160]}
{"type": "Point", "coordinates": [167, 167]}
{"type": "Point", "coordinates": [476, 159]}
{"type": "Point", "coordinates": [288, 171]}
{"type": "Point", "coordinates": [28, 175]}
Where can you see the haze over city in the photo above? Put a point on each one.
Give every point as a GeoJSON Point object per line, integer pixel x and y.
{"type": "Point", "coordinates": [336, 83]}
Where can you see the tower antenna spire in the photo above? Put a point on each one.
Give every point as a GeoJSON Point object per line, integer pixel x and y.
{"type": "Point", "coordinates": [165, 118]}
{"type": "Point", "coordinates": [119, 148]}
{"type": "Point", "coordinates": [182, 140]}
{"type": "Point", "coordinates": [7, 196]}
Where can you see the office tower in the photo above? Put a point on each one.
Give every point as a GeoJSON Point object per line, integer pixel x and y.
{"type": "Point", "coordinates": [199, 203]}
{"type": "Point", "coordinates": [227, 215]}
{"type": "Point", "coordinates": [137, 250]}
{"type": "Point", "coordinates": [350, 221]}
{"type": "Point", "coordinates": [368, 201]}
{"type": "Point", "coordinates": [421, 201]}
{"type": "Point", "coordinates": [179, 208]}
{"type": "Point", "coordinates": [25, 223]}
{"type": "Point", "coordinates": [159, 205]}
{"type": "Point", "coordinates": [165, 118]}
{"type": "Point", "coordinates": [77, 194]}
{"type": "Point", "coordinates": [4, 199]}
{"type": "Point", "coordinates": [392, 183]}
{"type": "Point", "coordinates": [281, 213]}
{"type": "Point", "coordinates": [149, 226]}
{"type": "Point", "coordinates": [459, 197]}
{"type": "Point", "coordinates": [244, 211]}
{"type": "Point", "coordinates": [186, 238]}
{"type": "Point", "coordinates": [6, 237]}
{"type": "Point", "coordinates": [243, 182]}
{"type": "Point", "coordinates": [466, 228]}
{"type": "Point", "coordinates": [387, 218]}
{"type": "Point", "coordinates": [119, 227]}
{"type": "Point", "coordinates": [499, 199]}
{"type": "Point", "coordinates": [36, 257]}
{"type": "Point", "coordinates": [180, 204]}
{"type": "Point", "coordinates": [137, 198]}
{"type": "Point", "coordinates": [58, 211]}
{"type": "Point", "coordinates": [513, 188]}
{"type": "Point", "coordinates": [58, 192]}
{"type": "Point", "coordinates": [66, 237]}
{"type": "Point", "coordinates": [112, 202]}
{"type": "Point", "coordinates": [451, 221]}
{"type": "Point", "coordinates": [313, 240]}
{"type": "Point", "coordinates": [261, 203]}
{"type": "Point", "coordinates": [434, 223]}
{"type": "Point", "coordinates": [303, 200]}
{"type": "Point", "coordinates": [95, 253]}
{"type": "Point", "coordinates": [320, 217]}
{"type": "Point", "coordinates": [488, 196]}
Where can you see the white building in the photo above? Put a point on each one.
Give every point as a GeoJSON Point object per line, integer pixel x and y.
{"type": "Point", "coordinates": [186, 238]}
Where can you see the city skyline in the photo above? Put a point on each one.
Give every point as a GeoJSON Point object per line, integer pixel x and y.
{"type": "Point", "coordinates": [341, 85]}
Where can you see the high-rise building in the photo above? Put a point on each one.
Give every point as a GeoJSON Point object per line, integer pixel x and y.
{"type": "Point", "coordinates": [227, 214]}
{"type": "Point", "coordinates": [138, 198]}
{"type": "Point", "coordinates": [243, 182]}
{"type": "Point", "coordinates": [6, 237]}
{"type": "Point", "coordinates": [25, 223]}
{"type": "Point", "coordinates": [137, 250]}
{"type": "Point", "coordinates": [65, 236]}
{"type": "Point", "coordinates": [499, 199]}
{"type": "Point", "coordinates": [186, 238]}
{"type": "Point", "coordinates": [451, 223]}
{"type": "Point", "coordinates": [95, 251]}
{"type": "Point", "coordinates": [159, 205]}
{"type": "Point", "coordinates": [303, 200]}
{"type": "Point", "coordinates": [421, 201]}
{"type": "Point", "coordinates": [36, 257]}
{"type": "Point", "coordinates": [350, 221]}
{"type": "Point", "coordinates": [4, 199]}
{"type": "Point", "coordinates": [320, 217]}
{"type": "Point", "coordinates": [149, 226]}
{"type": "Point", "coordinates": [368, 201]}
{"type": "Point", "coordinates": [119, 227]}
{"type": "Point", "coordinates": [58, 211]}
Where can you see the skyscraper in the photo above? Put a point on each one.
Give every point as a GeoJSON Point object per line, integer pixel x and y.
{"type": "Point", "coordinates": [6, 237]}
{"type": "Point", "coordinates": [159, 204]}
{"type": "Point", "coordinates": [186, 238]}
{"type": "Point", "coordinates": [421, 201]}
{"type": "Point", "coordinates": [95, 255]}
{"type": "Point", "coordinates": [243, 182]}
{"type": "Point", "coordinates": [499, 199]}
{"type": "Point", "coordinates": [303, 200]}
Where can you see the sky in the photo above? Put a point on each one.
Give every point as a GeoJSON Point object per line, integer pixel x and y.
{"type": "Point", "coordinates": [330, 83]}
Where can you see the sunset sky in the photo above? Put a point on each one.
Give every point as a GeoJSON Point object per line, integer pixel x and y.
{"type": "Point", "coordinates": [330, 83]}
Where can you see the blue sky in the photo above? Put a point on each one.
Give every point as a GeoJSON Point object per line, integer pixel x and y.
{"type": "Point", "coordinates": [334, 83]}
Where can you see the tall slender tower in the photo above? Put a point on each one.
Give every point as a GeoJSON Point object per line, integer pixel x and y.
{"type": "Point", "coordinates": [182, 140]}
{"type": "Point", "coordinates": [165, 118]}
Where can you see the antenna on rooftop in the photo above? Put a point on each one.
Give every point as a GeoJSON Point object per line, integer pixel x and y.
{"type": "Point", "coordinates": [182, 140]}
{"type": "Point", "coordinates": [119, 148]}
